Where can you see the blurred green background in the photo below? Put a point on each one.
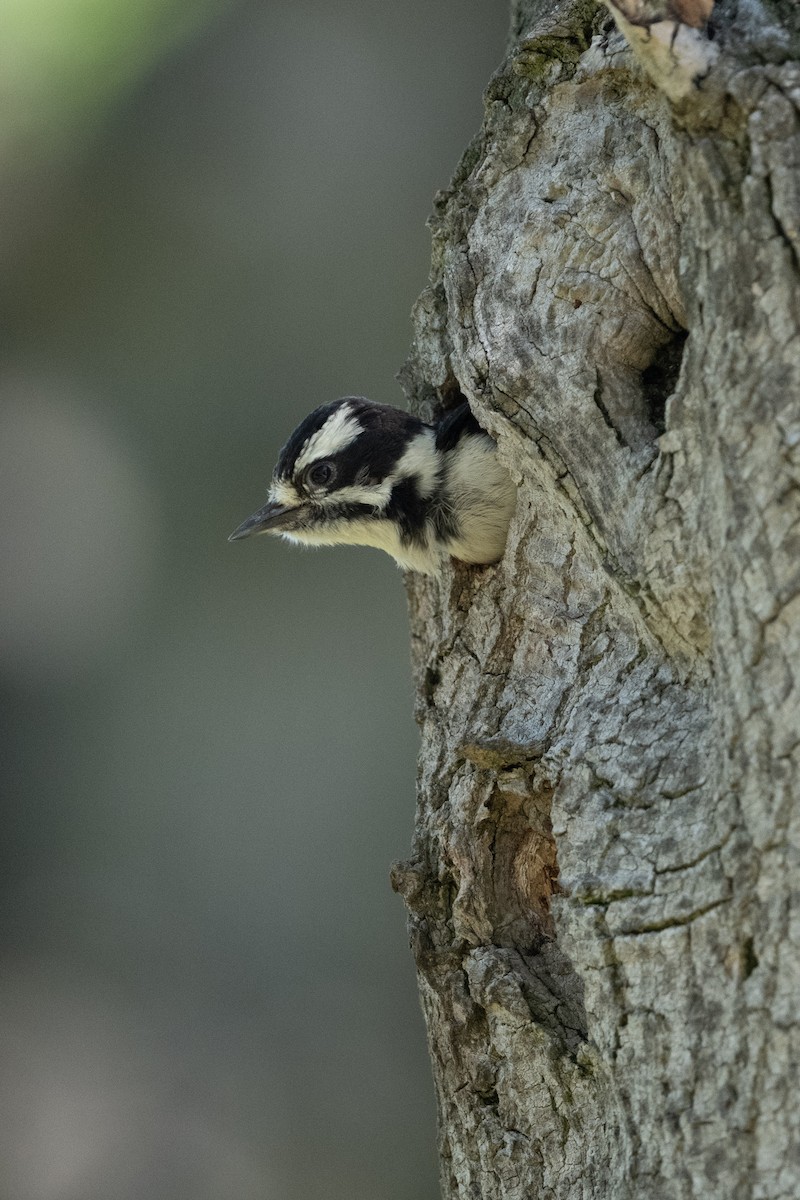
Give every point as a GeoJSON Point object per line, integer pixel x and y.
{"type": "Point", "coordinates": [212, 221]}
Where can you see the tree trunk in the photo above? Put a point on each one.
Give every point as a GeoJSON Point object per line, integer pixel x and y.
{"type": "Point", "coordinates": [603, 891]}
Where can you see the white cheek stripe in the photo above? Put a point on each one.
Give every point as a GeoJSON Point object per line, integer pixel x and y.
{"type": "Point", "coordinates": [282, 492]}
{"type": "Point", "coordinates": [377, 496]}
{"type": "Point", "coordinates": [338, 432]}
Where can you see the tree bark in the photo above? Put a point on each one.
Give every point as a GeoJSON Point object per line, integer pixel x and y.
{"type": "Point", "coordinates": [603, 889]}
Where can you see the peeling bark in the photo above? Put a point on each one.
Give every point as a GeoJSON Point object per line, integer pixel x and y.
{"type": "Point", "coordinates": [671, 40]}
{"type": "Point", "coordinates": [603, 887]}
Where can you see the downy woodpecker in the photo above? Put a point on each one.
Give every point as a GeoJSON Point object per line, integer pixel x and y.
{"type": "Point", "coordinates": [367, 474]}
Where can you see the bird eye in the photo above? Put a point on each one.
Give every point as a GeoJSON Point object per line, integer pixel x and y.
{"type": "Point", "coordinates": [320, 474]}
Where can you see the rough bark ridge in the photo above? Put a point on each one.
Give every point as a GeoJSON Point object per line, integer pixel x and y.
{"type": "Point", "coordinates": [601, 887]}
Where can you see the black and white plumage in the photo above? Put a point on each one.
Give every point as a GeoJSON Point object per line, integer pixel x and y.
{"type": "Point", "coordinates": [367, 474]}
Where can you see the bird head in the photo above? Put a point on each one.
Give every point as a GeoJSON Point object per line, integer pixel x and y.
{"type": "Point", "coordinates": [345, 472]}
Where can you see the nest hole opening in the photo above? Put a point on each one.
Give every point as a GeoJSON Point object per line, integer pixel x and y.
{"type": "Point", "coordinates": [660, 379]}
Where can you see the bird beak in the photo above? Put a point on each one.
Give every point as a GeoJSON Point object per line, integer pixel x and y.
{"type": "Point", "coordinates": [272, 518]}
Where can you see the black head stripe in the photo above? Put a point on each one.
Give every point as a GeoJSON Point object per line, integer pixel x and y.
{"type": "Point", "coordinates": [386, 437]}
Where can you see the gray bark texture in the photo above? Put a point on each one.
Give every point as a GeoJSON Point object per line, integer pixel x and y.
{"type": "Point", "coordinates": [603, 888]}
